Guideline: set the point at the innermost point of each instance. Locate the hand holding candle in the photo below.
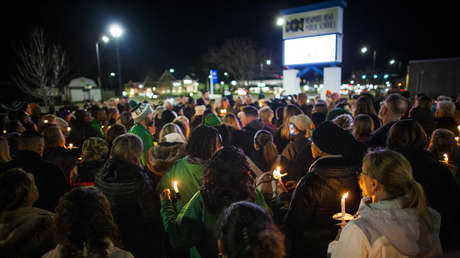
(446, 158)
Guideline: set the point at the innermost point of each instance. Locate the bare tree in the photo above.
(41, 67)
(242, 59)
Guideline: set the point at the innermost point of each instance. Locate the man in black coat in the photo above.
(244, 138)
(50, 180)
(309, 225)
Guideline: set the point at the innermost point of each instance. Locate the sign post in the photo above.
(213, 80)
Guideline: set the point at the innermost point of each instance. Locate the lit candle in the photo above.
(446, 158)
(70, 145)
(457, 139)
(344, 196)
(69, 129)
(277, 174)
(176, 189)
(45, 121)
(223, 111)
(458, 128)
(4, 131)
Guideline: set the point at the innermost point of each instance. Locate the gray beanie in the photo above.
(140, 111)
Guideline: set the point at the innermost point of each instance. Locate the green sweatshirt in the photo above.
(145, 136)
(98, 126)
(195, 226)
(189, 177)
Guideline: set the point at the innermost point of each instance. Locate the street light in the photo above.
(269, 62)
(280, 21)
(392, 62)
(116, 31)
(364, 50)
(104, 39)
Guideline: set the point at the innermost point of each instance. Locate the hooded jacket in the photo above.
(244, 138)
(163, 155)
(135, 206)
(386, 229)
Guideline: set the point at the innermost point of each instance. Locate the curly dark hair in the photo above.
(247, 230)
(83, 218)
(202, 142)
(227, 179)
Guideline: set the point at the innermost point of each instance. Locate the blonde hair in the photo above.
(126, 142)
(316, 151)
(288, 112)
(186, 123)
(392, 170)
(4, 150)
(362, 125)
(94, 148)
(266, 114)
(53, 137)
(231, 120)
(167, 129)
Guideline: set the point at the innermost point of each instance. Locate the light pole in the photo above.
(116, 31)
(105, 39)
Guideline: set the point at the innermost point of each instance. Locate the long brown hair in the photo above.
(264, 141)
(84, 219)
(288, 112)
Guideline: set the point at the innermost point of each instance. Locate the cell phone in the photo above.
(291, 129)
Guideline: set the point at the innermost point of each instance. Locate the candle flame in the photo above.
(70, 145)
(4, 131)
(68, 129)
(45, 121)
(176, 189)
(446, 158)
(344, 196)
(277, 174)
(458, 128)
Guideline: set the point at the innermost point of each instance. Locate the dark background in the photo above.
(176, 34)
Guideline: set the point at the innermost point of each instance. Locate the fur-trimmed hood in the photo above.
(160, 157)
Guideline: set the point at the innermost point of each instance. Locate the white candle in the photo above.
(70, 145)
(277, 174)
(344, 196)
(446, 158)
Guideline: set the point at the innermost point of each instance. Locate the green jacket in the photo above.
(145, 136)
(194, 227)
(189, 177)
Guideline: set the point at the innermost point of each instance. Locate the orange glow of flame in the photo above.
(344, 196)
(176, 189)
(277, 174)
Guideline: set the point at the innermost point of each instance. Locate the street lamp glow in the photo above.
(280, 21)
(105, 39)
(115, 30)
(112, 74)
(225, 74)
(376, 76)
(364, 50)
(171, 70)
(392, 62)
(269, 62)
(363, 76)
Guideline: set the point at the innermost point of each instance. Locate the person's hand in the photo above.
(165, 195)
(290, 185)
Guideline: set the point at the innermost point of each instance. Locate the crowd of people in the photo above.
(239, 178)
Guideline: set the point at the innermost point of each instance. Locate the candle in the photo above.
(457, 139)
(4, 131)
(277, 175)
(344, 196)
(45, 121)
(70, 145)
(176, 189)
(458, 128)
(446, 158)
(69, 129)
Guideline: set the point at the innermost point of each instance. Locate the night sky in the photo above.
(164, 34)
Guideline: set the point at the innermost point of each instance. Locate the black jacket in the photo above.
(441, 191)
(50, 180)
(135, 206)
(308, 223)
(379, 138)
(86, 172)
(64, 159)
(298, 157)
(244, 138)
(80, 132)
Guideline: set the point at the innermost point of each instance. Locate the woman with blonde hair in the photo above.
(282, 136)
(394, 219)
(363, 127)
(94, 152)
(231, 120)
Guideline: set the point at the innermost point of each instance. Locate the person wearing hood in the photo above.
(408, 138)
(308, 223)
(393, 218)
(142, 114)
(170, 148)
(130, 191)
(251, 124)
(297, 153)
(93, 155)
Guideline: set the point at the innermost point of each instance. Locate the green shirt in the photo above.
(195, 225)
(189, 177)
(145, 136)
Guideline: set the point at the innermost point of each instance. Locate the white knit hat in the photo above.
(139, 111)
